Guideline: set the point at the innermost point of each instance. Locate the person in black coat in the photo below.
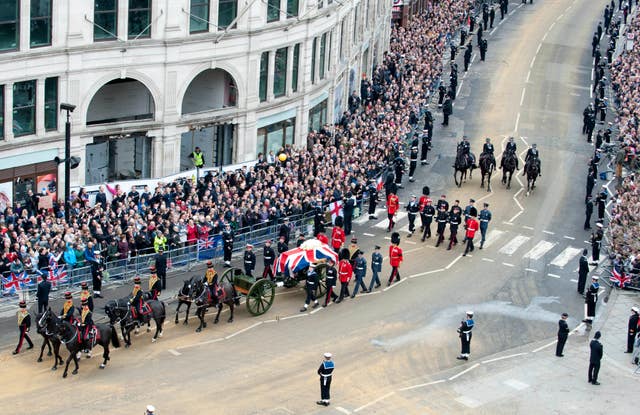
(633, 329)
(44, 288)
(594, 358)
(588, 211)
(447, 110)
(563, 333)
(161, 267)
(583, 271)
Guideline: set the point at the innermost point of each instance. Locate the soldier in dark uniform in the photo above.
(467, 57)
(331, 277)
(463, 36)
(454, 221)
(453, 49)
(427, 214)
(484, 218)
(227, 244)
(588, 213)
(318, 218)
(591, 300)
(596, 241)
(492, 16)
(349, 206)
(310, 286)
(372, 190)
(583, 271)
(594, 358)
(563, 334)
(376, 268)
(479, 34)
(24, 324)
(269, 257)
(441, 220)
(399, 167)
(442, 90)
(325, 370)
(485, 15)
(300, 240)
(249, 260)
(161, 267)
(426, 144)
(447, 110)
(136, 299)
(282, 246)
(86, 295)
(211, 279)
(602, 203)
(442, 202)
(465, 336)
(155, 285)
(86, 325)
(413, 159)
(68, 310)
(591, 183)
(413, 209)
(483, 49)
(632, 329)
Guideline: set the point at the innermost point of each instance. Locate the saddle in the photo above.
(219, 295)
(145, 309)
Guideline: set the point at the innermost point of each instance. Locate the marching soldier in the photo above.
(249, 260)
(376, 268)
(465, 336)
(269, 257)
(345, 272)
(395, 257)
(455, 219)
(353, 250)
(282, 245)
(441, 220)
(467, 57)
(24, 324)
(413, 160)
(311, 284)
(393, 204)
(427, 214)
(325, 371)
(442, 202)
(86, 325)
(155, 285)
(337, 235)
(227, 245)
(413, 209)
(633, 329)
(485, 218)
(372, 190)
(359, 270)
(471, 226)
(591, 300)
(331, 276)
(68, 310)
(86, 295)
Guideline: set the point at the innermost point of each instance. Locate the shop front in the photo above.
(20, 175)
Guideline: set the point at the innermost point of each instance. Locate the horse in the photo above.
(204, 300)
(70, 335)
(508, 165)
(532, 170)
(463, 163)
(184, 297)
(119, 311)
(46, 327)
(487, 167)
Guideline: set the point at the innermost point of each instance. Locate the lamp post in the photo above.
(67, 157)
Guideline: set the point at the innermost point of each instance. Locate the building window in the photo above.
(139, 18)
(292, 8)
(296, 65)
(199, 18)
(9, 24)
(40, 23)
(227, 12)
(24, 108)
(323, 49)
(275, 136)
(1, 112)
(318, 116)
(343, 28)
(280, 73)
(273, 10)
(51, 104)
(313, 60)
(320, 4)
(264, 75)
(356, 23)
(105, 19)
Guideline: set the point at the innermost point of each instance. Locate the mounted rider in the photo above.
(86, 325)
(136, 300)
(533, 156)
(155, 285)
(464, 149)
(487, 150)
(510, 151)
(511, 146)
(211, 279)
(68, 310)
(86, 295)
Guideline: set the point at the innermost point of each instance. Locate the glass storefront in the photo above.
(274, 137)
(15, 183)
(318, 116)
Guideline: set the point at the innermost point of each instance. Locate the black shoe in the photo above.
(422, 239)
(353, 296)
(409, 236)
(15, 352)
(303, 309)
(30, 347)
(320, 403)
(324, 305)
(628, 351)
(595, 382)
(377, 285)
(337, 301)
(560, 355)
(465, 254)
(315, 305)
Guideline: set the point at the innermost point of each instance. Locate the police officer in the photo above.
(492, 16)
(588, 213)
(479, 35)
(413, 209)
(465, 336)
(331, 277)
(511, 146)
(447, 110)
(563, 334)
(198, 158)
(467, 57)
(413, 159)
(399, 167)
(596, 241)
(463, 35)
(485, 15)
(325, 370)
(376, 268)
(633, 329)
(310, 286)
(441, 220)
(602, 203)
(269, 257)
(453, 49)
(161, 267)
(586, 115)
(483, 49)
(359, 271)
(68, 310)
(349, 206)
(249, 260)
(372, 190)
(583, 271)
(442, 90)
(155, 285)
(487, 147)
(395, 257)
(86, 295)
(159, 242)
(454, 221)
(591, 300)
(86, 325)
(427, 214)
(24, 324)
(532, 156)
(227, 245)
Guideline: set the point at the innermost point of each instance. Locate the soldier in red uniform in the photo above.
(395, 257)
(337, 235)
(322, 238)
(345, 272)
(24, 323)
(393, 204)
(472, 227)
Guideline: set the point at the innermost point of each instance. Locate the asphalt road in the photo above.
(517, 286)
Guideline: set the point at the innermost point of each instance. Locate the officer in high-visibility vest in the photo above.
(198, 160)
(159, 242)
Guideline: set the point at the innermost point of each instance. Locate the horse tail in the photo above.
(115, 341)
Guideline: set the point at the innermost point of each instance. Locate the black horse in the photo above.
(508, 165)
(487, 167)
(70, 335)
(185, 297)
(464, 163)
(532, 170)
(120, 311)
(46, 327)
(226, 294)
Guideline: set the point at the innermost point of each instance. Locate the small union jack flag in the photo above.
(10, 284)
(619, 278)
(57, 275)
(207, 243)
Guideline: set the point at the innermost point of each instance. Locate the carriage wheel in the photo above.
(260, 297)
(227, 276)
(321, 289)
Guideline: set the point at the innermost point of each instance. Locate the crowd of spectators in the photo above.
(337, 160)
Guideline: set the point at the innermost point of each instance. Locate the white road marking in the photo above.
(532, 62)
(569, 237)
(554, 276)
(433, 271)
(573, 280)
(527, 227)
(530, 270)
(373, 402)
(539, 46)
(517, 122)
(494, 29)
(384, 224)
(492, 236)
(488, 259)
(508, 265)
(204, 343)
(460, 87)
(174, 352)
(243, 330)
(516, 216)
(544, 347)
(552, 25)
(473, 58)
(464, 371)
(592, 74)
(316, 310)
(395, 284)
(538, 251)
(341, 409)
(590, 91)
(516, 384)
(453, 262)
(421, 385)
(484, 362)
(410, 242)
(565, 256)
(528, 76)
(294, 316)
(549, 232)
(368, 234)
(468, 401)
(513, 245)
(559, 17)
(524, 90)
(507, 223)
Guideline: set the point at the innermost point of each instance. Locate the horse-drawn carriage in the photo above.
(259, 293)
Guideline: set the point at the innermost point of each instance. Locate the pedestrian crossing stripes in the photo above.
(538, 251)
(384, 224)
(512, 246)
(565, 256)
(492, 236)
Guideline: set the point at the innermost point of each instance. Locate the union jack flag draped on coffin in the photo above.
(299, 258)
(619, 278)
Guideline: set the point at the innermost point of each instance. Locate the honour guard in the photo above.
(413, 208)
(591, 300)
(331, 276)
(413, 160)
(269, 257)
(372, 190)
(337, 235)
(24, 324)
(325, 371)
(345, 272)
(485, 218)
(211, 277)
(86, 295)
(465, 336)
(395, 257)
(393, 204)
(249, 260)
(376, 268)
(472, 226)
(227, 244)
(86, 325)
(155, 285)
(310, 286)
(633, 329)
(68, 310)
(353, 251)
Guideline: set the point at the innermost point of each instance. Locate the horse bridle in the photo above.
(73, 335)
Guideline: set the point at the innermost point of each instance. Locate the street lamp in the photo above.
(67, 157)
